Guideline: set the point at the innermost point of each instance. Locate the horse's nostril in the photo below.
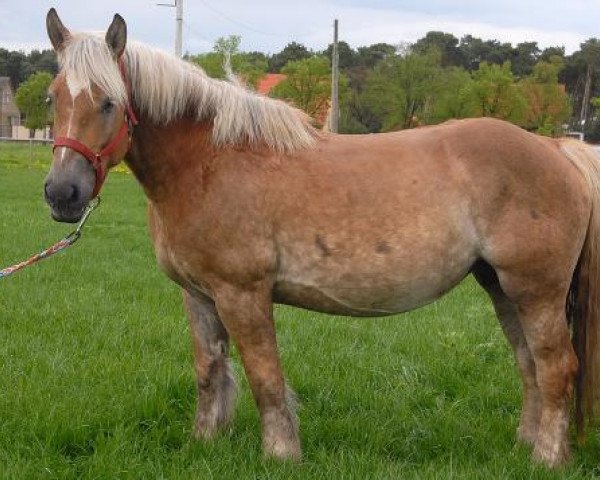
(74, 194)
(62, 193)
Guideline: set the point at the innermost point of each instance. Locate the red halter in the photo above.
(95, 158)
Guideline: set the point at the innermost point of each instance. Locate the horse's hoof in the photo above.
(206, 428)
(554, 457)
(285, 451)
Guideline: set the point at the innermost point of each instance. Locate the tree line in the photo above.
(19, 66)
(387, 87)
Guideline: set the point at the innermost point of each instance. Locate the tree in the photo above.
(347, 56)
(550, 52)
(249, 67)
(446, 44)
(453, 97)
(17, 68)
(31, 100)
(368, 57)
(590, 54)
(307, 85)
(362, 62)
(497, 52)
(291, 52)
(228, 45)
(357, 115)
(496, 94)
(524, 56)
(44, 60)
(399, 89)
(211, 63)
(548, 105)
(476, 51)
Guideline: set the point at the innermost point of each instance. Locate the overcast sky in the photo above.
(268, 25)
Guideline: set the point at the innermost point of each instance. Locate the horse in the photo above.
(249, 205)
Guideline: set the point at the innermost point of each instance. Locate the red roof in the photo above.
(270, 80)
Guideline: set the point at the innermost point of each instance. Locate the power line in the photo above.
(241, 24)
(189, 28)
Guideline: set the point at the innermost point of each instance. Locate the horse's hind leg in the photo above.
(545, 327)
(509, 320)
(539, 291)
(216, 385)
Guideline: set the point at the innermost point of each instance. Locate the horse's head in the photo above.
(90, 107)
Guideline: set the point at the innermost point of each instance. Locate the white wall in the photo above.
(21, 133)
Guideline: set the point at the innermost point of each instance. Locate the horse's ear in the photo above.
(116, 36)
(57, 32)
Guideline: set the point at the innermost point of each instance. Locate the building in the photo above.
(9, 113)
(11, 118)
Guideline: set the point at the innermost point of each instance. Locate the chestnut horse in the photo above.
(249, 205)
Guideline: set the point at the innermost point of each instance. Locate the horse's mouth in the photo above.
(66, 216)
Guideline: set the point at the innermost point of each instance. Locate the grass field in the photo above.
(96, 377)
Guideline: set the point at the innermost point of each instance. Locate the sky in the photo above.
(268, 25)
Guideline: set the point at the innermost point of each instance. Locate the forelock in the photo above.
(87, 60)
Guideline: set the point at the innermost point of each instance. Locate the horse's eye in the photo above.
(107, 106)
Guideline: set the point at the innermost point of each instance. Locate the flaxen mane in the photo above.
(166, 88)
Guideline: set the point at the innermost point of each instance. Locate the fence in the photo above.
(5, 131)
(20, 133)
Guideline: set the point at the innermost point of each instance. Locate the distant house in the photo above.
(11, 118)
(9, 113)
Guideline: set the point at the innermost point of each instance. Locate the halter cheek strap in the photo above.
(95, 158)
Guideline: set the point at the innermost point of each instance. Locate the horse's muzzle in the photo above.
(68, 188)
(64, 199)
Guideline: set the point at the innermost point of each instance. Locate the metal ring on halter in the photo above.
(75, 234)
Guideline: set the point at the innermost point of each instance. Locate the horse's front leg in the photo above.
(247, 312)
(216, 384)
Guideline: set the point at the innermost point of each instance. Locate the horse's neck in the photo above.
(162, 156)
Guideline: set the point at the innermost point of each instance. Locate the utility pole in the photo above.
(178, 23)
(334, 116)
(178, 26)
(586, 96)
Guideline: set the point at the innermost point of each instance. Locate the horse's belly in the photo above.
(396, 286)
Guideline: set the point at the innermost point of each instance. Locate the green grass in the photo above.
(96, 377)
(22, 154)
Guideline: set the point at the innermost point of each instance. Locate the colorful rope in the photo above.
(57, 247)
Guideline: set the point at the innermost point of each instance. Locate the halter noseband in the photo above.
(95, 158)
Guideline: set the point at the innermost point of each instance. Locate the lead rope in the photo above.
(69, 240)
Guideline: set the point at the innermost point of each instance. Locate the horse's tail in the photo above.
(583, 301)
